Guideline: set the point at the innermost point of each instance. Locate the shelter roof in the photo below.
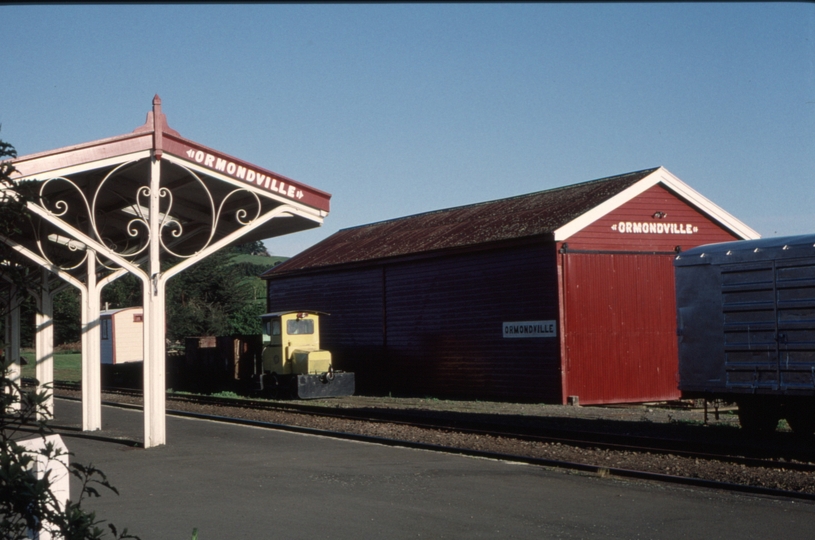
(206, 195)
(553, 214)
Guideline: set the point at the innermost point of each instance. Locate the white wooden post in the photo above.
(154, 350)
(44, 345)
(91, 351)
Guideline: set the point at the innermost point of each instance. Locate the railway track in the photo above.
(754, 457)
(786, 453)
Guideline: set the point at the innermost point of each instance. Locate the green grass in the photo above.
(67, 367)
(226, 394)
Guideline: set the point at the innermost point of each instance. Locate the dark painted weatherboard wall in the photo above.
(433, 325)
(445, 331)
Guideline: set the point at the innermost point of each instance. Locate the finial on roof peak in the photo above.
(156, 120)
(156, 107)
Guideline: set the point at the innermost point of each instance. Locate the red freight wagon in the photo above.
(564, 294)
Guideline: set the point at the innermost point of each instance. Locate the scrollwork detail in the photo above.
(170, 229)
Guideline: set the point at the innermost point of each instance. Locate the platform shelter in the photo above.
(150, 203)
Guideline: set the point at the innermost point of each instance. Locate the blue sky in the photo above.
(401, 109)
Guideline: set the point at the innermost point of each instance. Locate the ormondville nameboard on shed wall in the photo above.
(530, 329)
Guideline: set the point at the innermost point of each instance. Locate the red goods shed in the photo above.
(564, 294)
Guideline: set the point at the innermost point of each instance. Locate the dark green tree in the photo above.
(251, 248)
(122, 293)
(67, 316)
(220, 295)
(202, 299)
(13, 216)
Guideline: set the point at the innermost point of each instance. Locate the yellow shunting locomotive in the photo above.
(293, 362)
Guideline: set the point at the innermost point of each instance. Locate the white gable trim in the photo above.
(664, 177)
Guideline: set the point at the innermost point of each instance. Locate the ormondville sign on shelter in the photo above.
(150, 203)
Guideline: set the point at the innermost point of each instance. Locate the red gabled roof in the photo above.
(523, 216)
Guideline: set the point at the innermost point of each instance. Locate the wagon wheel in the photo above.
(759, 417)
(800, 415)
(293, 390)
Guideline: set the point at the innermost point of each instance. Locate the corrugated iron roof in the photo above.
(505, 219)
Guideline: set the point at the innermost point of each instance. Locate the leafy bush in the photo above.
(27, 503)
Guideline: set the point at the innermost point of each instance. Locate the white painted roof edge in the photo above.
(684, 191)
(82, 167)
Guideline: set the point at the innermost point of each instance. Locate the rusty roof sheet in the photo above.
(522, 216)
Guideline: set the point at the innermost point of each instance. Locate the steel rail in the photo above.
(580, 439)
(599, 470)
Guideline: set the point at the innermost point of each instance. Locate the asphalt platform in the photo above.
(232, 482)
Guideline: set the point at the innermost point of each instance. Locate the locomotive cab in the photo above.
(291, 344)
(293, 362)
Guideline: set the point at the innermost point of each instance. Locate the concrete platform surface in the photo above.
(234, 482)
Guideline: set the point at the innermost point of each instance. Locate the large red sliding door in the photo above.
(619, 327)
